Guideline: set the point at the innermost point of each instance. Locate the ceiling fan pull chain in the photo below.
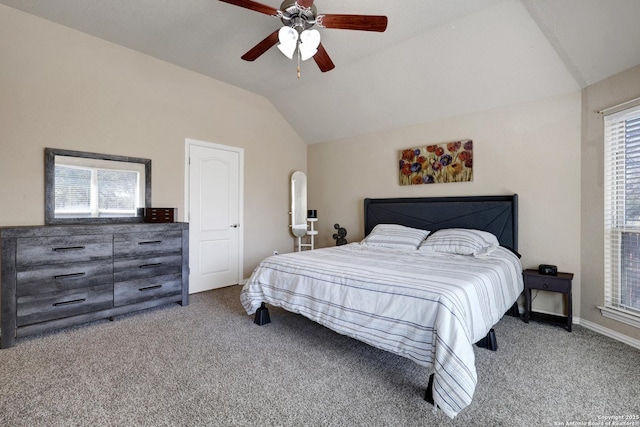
(298, 61)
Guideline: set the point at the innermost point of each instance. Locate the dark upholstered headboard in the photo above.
(496, 214)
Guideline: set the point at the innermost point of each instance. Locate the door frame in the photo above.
(188, 142)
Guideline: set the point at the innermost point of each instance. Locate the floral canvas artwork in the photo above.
(438, 163)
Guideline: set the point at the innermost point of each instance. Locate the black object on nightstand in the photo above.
(560, 283)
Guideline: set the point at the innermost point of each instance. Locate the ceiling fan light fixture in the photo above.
(311, 38)
(309, 42)
(287, 50)
(288, 38)
(306, 53)
(298, 16)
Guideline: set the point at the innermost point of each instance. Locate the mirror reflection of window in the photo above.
(118, 190)
(96, 189)
(73, 191)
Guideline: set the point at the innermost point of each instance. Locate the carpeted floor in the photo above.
(207, 364)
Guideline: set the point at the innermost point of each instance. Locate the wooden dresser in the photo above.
(57, 276)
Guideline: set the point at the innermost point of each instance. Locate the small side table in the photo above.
(560, 283)
(310, 232)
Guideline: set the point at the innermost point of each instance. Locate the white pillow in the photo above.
(461, 241)
(395, 236)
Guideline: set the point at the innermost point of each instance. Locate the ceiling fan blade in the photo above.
(322, 59)
(306, 4)
(353, 22)
(261, 47)
(258, 7)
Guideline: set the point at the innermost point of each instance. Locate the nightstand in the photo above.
(560, 283)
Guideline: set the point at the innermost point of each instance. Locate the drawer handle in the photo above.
(150, 265)
(67, 276)
(150, 242)
(75, 301)
(69, 248)
(148, 288)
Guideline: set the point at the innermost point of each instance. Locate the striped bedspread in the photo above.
(428, 307)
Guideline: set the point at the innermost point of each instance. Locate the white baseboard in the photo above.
(600, 329)
(609, 333)
(576, 321)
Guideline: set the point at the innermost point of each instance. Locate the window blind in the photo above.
(622, 211)
(73, 190)
(117, 190)
(93, 192)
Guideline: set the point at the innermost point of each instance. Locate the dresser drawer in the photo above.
(149, 266)
(60, 277)
(548, 283)
(133, 291)
(135, 244)
(56, 305)
(63, 249)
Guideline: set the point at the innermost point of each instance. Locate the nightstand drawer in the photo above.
(549, 283)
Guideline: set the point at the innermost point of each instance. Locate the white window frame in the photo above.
(615, 223)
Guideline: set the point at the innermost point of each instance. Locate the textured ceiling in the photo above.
(437, 59)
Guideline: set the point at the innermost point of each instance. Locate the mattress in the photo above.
(429, 307)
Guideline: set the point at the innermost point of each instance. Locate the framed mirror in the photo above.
(90, 188)
(298, 204)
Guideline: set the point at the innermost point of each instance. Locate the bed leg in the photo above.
(428, 395)
(489, 342)
(262, 316)
(514, 311)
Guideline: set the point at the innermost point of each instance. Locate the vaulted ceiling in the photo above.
(437, 58)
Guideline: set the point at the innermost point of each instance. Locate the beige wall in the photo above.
(604, 94)
(64, 89)
(532, 149)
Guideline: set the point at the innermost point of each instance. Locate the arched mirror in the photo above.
(298, 204)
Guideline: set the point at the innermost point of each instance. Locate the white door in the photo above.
(214, 215)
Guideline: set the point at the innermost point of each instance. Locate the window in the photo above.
(622, 216)
(94, 192)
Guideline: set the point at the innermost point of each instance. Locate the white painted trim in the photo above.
(188, 142)
(620, 316)
(600, 329)
(610, 333)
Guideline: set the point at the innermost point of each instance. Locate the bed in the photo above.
(429, 303)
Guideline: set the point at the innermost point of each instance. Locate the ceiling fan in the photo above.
(296, 36)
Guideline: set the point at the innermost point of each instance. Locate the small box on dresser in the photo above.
(57, 276)
(159, 214)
